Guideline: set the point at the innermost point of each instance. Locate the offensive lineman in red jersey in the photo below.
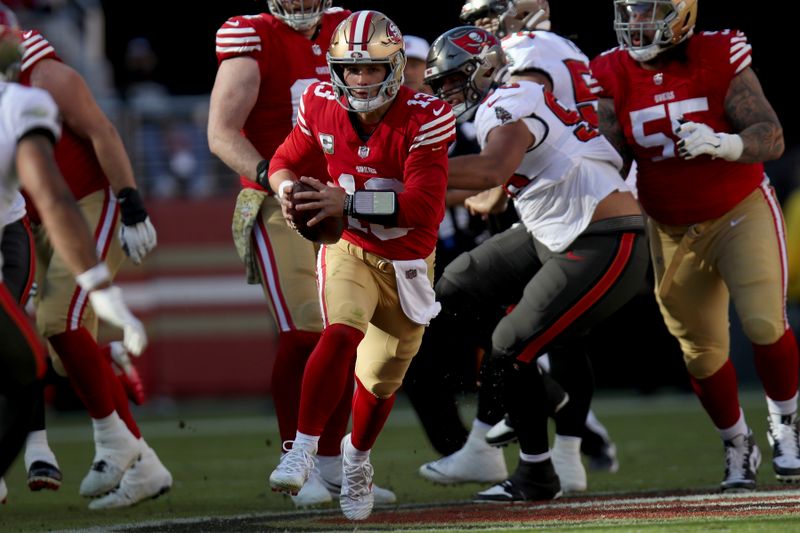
(691, 112)
(386, 149)
(94, 163)
(266, 61)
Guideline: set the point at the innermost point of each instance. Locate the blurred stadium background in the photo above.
(152, 65)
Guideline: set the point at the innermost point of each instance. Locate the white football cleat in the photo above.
(356, 498)
(146, 479)
(566, 457)
(111, 460)
(294, 468)
(742, 459)
(314, 492)
(476, 462)
(332, 479)
(784, 437)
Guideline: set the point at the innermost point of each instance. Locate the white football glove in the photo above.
(698, 139)
(109, 306)
(138, 240)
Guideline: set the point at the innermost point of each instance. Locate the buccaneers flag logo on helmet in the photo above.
(473, 42)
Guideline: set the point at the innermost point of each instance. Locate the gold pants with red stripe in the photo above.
(287, 262)
(699, 268)
(359, 289)
(61, 305)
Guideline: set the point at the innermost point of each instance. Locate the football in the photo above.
(327, 231)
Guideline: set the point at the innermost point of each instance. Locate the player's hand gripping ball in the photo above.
(328, 231)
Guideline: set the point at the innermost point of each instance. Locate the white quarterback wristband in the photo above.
(285, 184)
(94, 277)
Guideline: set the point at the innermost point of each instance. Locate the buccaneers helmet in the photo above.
(648, 27)
(472, 58)
(367, 38)
(297, 13)
(504, 17)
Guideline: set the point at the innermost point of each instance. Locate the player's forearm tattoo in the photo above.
(612, 131)
(753, 118)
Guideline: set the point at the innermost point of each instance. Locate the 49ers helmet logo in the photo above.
(473, 42)
(393, 33)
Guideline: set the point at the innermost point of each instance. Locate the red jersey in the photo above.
(407, 153)
(288, 62)
(75, 155)
(649, 104)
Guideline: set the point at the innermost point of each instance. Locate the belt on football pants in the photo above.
(380, 263)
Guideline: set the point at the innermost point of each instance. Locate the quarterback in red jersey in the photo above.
(386, 150)
(688, 108)
(92, 158)
(266, 61)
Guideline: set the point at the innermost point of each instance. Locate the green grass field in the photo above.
(220, 454)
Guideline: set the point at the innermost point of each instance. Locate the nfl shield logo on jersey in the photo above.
(316, 50)
(326, 141)
(363, 152)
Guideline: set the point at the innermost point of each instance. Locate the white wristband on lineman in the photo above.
(94, 277)
(285, 184)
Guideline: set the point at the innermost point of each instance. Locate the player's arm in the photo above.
(505, 148)
(612, 131)
(65, 224)
(757, 136)
(298, 146)
(81, 113)
(753, 118)
(233, 97)
(69, 233)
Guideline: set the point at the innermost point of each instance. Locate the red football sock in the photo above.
(719, 395)
(335, 429)
(326, 376)
(119, 394)
(777, 366)
(369, 415)
(294, 349)
(85, 366)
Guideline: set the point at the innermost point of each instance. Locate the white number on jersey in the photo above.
(348, 183)
(674, 112)
(297, 89)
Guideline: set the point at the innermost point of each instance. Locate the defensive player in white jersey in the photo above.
(29, 128)
(530, 46)
(579, 254)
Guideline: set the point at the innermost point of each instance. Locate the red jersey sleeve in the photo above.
(603, 72)
(238, 37)
(729, 51)
(37, 48)
(425, 174)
